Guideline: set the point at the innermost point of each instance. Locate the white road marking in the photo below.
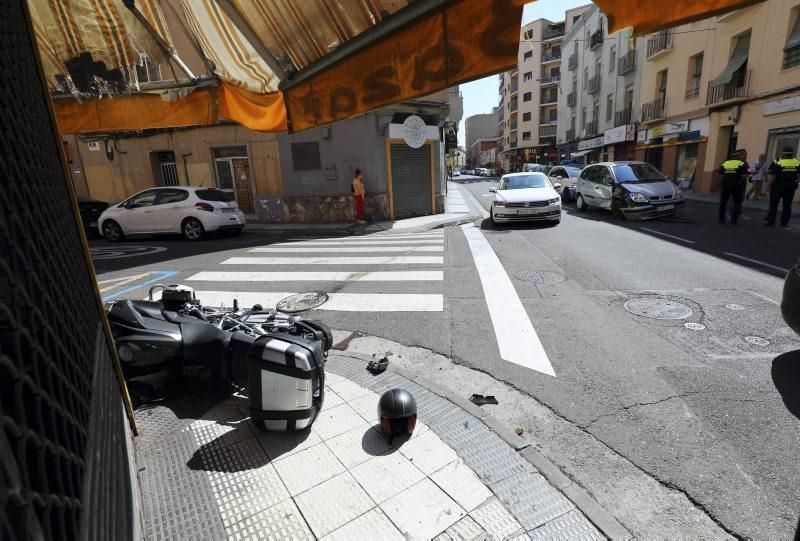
(666, 235)
(355, 242)
(117, 282)
(375, 276)
(757, 262)
(516, 337)
(365, 260)
(339, 302)
(776, 303)
(345, 249)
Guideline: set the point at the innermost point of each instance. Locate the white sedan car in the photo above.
(188, 210)
(525, 197)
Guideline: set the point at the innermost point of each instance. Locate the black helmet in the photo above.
(397, 412)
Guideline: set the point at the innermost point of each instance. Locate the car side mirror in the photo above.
(667, 177)
(493, 190)
(557, 184)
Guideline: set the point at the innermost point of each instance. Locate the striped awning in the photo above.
(329, 60)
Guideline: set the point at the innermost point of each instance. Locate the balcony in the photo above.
(596, 39)
(654, 110)
(594, 84)
(513, 88)
(547, 131)
(514, 72)
(548, 98)
(736, 89)
(627, 63)
(659, 44)
(512, 106)
(551, 56)
(692, 89)
(547, 81)
(573, 62)
(570, 136)
(572, 99)
(512, 143)
(591, 128)
(623, 117)
(513, 126)
(552, 33)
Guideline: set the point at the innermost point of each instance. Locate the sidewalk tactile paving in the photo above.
(428, 452)
(493, 460)
(308, 468)
(465, 529)
(332, 504)
(531, 499)
(367, 407)
(348, 390)
(461, 484)
(496, 520)
(358, 445)
(281, 521)
(384, 476)
(248, 493)
(422, 511)
(331, 400)
(221, 435)
(572, 525)
(238, 457)
(371, 525)
(280, 445)
(336, 421)
(459, 429)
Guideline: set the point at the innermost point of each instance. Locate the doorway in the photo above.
(233, 175)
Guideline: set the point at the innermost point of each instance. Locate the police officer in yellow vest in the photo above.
(782, 176)
(734, 178)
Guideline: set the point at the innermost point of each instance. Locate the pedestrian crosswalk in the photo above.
(370, 273)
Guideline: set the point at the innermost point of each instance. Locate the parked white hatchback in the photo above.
(525, 197)
(191, 211)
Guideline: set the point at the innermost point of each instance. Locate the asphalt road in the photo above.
(710, 410)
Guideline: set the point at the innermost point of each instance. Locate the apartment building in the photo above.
(719, 84)
(528, 111)
(599, 92)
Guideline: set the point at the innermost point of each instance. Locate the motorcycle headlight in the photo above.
(638, 197)
(679, 194)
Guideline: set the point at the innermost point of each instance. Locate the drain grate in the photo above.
(302, 302)
(658, 308)
(757, 340)
(540, 277)
(694, 326)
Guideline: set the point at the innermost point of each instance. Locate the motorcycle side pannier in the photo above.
(285, 381)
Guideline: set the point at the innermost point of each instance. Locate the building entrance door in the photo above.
(233, 175)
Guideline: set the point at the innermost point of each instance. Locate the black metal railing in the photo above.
(570, 135)
(551, 55)
(627, 63)
(548, 98)
(693, 89)
(653, 110)
(659, 42)
(736, 88)
(622, 117)
(572, 62)
(594, 84)
(591, 128)
(596, 39)
(545, 81)
(572, 99)
(552, 33)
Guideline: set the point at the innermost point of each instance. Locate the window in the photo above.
(527, 96)
(528, 76)
(661, 85)
(586, 39)
(213, 194)
(526, 117)
(609, 107)
(528, 34)
(171, 196)
(585, 77)
(612, 59)
(791, 51)
(695, 73)
(526, 136)
(144, 199)
(583, 118)
(305, 156)
(527, 56)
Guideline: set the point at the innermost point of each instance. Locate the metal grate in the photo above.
(49, 339)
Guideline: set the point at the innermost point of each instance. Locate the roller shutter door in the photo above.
(411, 180)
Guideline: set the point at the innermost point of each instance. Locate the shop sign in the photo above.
(781, 106)
(641, 136)
(689, 136)
(670, 127)
(414, 133)
(619, 134)
(591, 143)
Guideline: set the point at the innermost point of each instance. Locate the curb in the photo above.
(596, 513)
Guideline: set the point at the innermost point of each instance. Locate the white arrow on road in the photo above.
(516, 337)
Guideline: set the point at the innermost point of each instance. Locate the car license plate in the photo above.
(528, 211)
(227, 210)
(666, 207)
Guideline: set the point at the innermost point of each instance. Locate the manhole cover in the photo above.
(658, 308)
(694, 326)
(301, 302)
(540, 277)
(736, 307)
(757, 340)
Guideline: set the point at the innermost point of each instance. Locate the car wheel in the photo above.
(192, 229)
(616, 210)
(579, 202)
(112, 231)
(491, 215)
(233, 232)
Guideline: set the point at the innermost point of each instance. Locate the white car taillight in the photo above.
(204, 206)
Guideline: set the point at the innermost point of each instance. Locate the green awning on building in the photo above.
(738, 59)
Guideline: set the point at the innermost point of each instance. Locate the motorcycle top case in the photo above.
(285, 381)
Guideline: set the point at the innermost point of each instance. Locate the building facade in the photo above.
(599, 92)
(483, 153)
(527, 115)
(723, 83)
(478, 127)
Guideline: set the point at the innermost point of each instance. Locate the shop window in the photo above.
(305, 156)
(526, 117)
(791, 51)
(686, 165)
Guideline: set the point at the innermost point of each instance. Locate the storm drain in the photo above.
(658, 308)
(540, 277)
(757, 340)
(302, 302)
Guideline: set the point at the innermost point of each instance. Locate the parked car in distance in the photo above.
(567, 177)
(90, 210)
(525, 197)
(790, 303)
(631, 190)
(190, 211)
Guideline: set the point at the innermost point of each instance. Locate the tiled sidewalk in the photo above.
(207, 472)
